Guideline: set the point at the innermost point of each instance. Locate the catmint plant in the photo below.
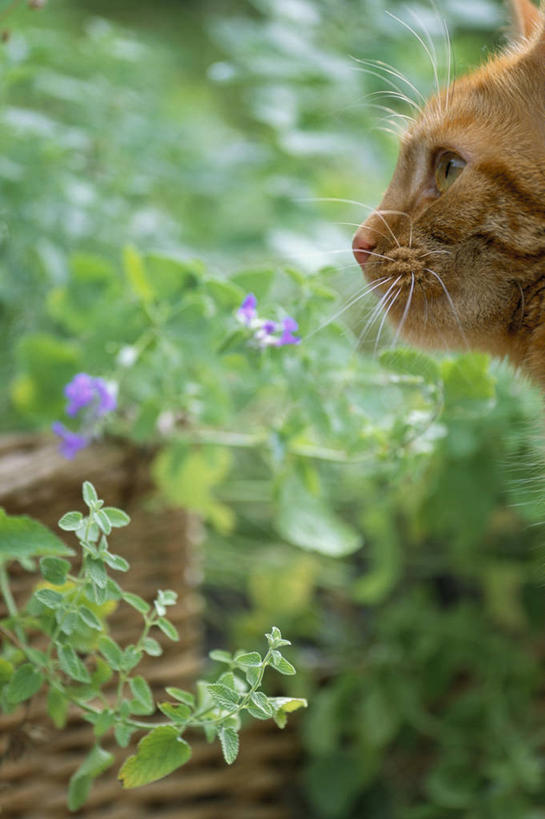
(83, 664)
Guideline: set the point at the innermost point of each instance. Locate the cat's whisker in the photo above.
(351, 302)
(430, 252)
(384, 79)
(394, 72)
(422, 43)
(405, 312)
(361, 205)
(451, 303)
(376, 311)
(395, 95)
(383, 321)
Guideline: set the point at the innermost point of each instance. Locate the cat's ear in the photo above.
(526, 18)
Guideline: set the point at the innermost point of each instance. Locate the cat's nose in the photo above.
(363, 245)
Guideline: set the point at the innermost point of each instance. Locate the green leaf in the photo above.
(177, 713)
(136, 602)
(279, 663)
(131, 657)
(89, 494)
(168, 628)
(102, 521)
(72, 665)
(411, 362)
(26, 681)
(136, 275)
(152, 647)
(89, 618)
(260, 707)
(111, 652)
(117, 517)
(116, 562)
(182, 696)
(54, 570)
(97, 761)
(229, 744)
(468, 382)
(6, 671)
(96, 571)
(142, 692)
(251, 658)
(220, 656)
(21, 537)
(104, 722)
(159, 753)
(48, 597)
(71, 521)
(57, 707)
(286, 705)
(306, 521)
(123, 733)
(224, 696)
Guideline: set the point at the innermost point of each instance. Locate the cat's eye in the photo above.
(448, 169)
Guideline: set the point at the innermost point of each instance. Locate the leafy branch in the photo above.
(84, 666)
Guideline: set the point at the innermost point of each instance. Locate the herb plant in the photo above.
(82, 665)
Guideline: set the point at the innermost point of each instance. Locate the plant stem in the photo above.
(10, 604)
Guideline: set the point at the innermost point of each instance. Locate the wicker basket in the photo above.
(38, 760)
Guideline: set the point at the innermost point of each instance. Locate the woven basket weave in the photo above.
(37, 760)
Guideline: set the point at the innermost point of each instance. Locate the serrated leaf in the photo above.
(123, 733)
(89, 618)
(251, 658)
(102, 521)
(136, 602)
(54, 570)
(57, 707)
(142, 692)
(26, 681)
(229, 744)
(131, 658)
(96, 571)
(111, 652)
(287, 704)
(117, 517)
(224, 696)
(176, 712)
(71, 521)
(411, 362)
(49, 598)
(279, 663)
(97, 761)
(104, 722)
(89, 494)
(259, 706)
(116, 562)
(159, 753)
(252, 674)
(72, 665)
(21, 537)
(182, 696)
(168, 629)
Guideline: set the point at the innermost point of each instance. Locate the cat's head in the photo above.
(459, 237)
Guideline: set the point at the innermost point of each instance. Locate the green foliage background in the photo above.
(183, 131)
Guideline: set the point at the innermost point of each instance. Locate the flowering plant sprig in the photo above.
(266, 332)
(89, 400)
(83, 665)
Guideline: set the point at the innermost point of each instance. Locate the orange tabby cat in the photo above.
(459, 237)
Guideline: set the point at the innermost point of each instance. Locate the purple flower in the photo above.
(247, 311)
(84, 390)
(71, 442)
(289, 325)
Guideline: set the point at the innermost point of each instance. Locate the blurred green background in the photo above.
(221, 131)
